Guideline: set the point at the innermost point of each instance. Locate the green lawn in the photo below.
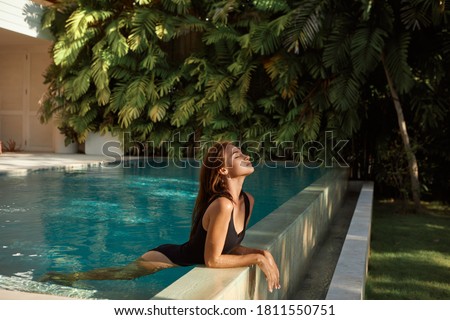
(410, 253)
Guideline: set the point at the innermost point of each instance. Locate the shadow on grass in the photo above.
(410, 255)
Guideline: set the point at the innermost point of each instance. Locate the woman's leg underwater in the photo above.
(150, 262)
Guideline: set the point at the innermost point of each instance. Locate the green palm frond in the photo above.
(160, 135)
(188, 24)
(344, 91)
(66, 50)
(168, 83)
(151, 58)
(264, 39)
(78, 85)
(279, 24)
(367, 45)
(211, 110)
(214, 35)
(305, 24)
(85, 105)
(217, 86)
(244, 71)
(142, 129)
(311, 125)
(336, 54)
(124, 68)
(414, 14)
(262, 126)
(127, 114)
(144, 2)
(159, 109)
(100, 67)
(81, 19)
(118, 97)
(397, 62)
(349, 123)
(138, 92)
(222, 122)
(144, 24)
(116, 40)
(48, 18)
(221, 10)
(186, 106)
(180, 7)
(131, 101)
(271, 5)
(83, 125)
(269, 104)
(238, 102)
(284, 72)
(288, 131)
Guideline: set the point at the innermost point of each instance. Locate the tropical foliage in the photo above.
(269, 72)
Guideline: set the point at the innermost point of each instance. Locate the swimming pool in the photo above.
(78, 220)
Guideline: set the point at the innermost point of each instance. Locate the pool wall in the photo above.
(291, 233)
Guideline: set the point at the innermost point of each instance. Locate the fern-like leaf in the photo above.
(344, 92)
(81, 19)
(397, 62)
(264, 39)
(367, 45)
(305, 24)
(217, 86)
(158, 111)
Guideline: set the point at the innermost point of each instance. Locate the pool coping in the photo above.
(23, 163)
(349, 278)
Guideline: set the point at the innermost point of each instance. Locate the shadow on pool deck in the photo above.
(317, 280)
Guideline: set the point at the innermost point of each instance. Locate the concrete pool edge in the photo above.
(349, 278)
(291, 232)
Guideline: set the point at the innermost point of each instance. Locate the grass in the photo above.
(410, 253)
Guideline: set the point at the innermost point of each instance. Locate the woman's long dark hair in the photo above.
(211, 183)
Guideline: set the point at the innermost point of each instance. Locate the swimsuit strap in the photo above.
(247, 207)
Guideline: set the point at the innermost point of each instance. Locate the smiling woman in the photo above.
(221, 209)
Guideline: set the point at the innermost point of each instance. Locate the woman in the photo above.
(221, 214)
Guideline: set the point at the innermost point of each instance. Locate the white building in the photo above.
(24, 56)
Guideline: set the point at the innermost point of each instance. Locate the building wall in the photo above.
(23, 59)
(21, 88)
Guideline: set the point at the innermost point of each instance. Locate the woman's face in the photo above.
(237, 163)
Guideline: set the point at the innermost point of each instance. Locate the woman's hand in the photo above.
(274, 266)
(269, 268)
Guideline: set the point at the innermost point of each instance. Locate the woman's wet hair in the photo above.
(212, 183)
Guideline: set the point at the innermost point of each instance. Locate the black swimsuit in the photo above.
(192, 252)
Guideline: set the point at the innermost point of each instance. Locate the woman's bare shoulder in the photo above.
(219, 210)
(221, 204)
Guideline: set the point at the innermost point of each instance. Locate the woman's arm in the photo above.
(241, 250)
(217, 227)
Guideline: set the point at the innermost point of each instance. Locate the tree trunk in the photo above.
(412, 161)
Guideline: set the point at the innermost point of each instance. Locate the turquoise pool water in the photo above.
(80, 220)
